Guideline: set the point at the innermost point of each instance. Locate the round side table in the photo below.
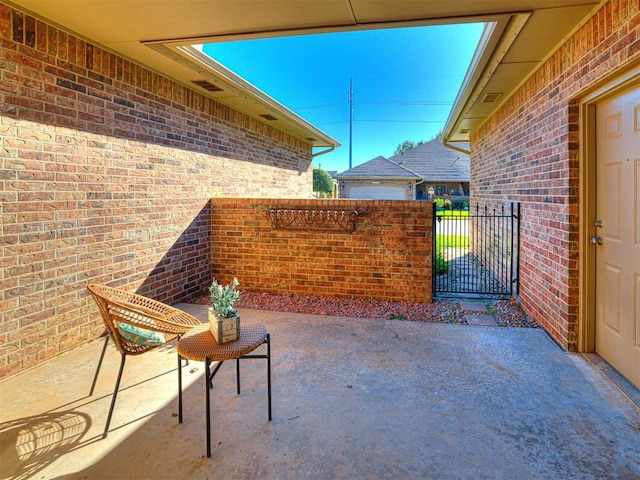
(199, 344)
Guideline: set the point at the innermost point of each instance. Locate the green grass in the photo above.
(441, 266)
(449, 241)
(445, 241)
(453, 213)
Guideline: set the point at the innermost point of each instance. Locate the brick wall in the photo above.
(106, 175)
(528, 152)
(387, 257)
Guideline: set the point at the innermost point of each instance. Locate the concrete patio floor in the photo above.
(352, 398)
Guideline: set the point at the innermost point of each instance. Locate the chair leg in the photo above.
(179, 389)
(269, 374)
(207, 383)
(238, 375)
(104, 349)
(115, 394)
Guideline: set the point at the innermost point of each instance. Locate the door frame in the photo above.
(612, 85)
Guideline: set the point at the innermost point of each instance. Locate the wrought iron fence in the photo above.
(476, 251)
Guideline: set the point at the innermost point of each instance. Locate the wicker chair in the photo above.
(137, 324)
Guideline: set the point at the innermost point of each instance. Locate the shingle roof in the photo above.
(430, 161)
(435, 162)
(379, 167)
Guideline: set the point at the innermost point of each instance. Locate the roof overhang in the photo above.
(228, 88)
(507, 55)
(380, 179)
(160, 35)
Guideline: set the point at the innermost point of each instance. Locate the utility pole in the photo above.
(350, 121)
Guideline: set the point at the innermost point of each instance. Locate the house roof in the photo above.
(433, 161)
(429, 161)
(379, 168)
(160, 35)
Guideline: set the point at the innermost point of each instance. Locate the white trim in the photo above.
(494, 44)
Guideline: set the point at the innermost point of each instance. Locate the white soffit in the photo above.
(538, 35)
(242, 95)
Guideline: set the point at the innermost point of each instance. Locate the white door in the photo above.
(378, 192)
(617, 240)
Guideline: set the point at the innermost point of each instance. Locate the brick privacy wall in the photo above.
(106, 176)
(387, 257)
(528, 152)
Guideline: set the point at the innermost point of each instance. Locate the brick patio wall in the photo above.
(106, 175)
(528, 152)
(387, 257)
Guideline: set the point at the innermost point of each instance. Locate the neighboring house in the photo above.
(378, 179)
(429, 170)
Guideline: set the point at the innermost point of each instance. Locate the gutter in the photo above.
(457, 149)
(415, 186)
(328, 150)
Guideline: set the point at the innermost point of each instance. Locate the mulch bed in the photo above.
(509, 314)
(505, 313)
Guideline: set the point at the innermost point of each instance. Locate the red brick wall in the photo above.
(528, 152)
(387, 257)
(106, 175)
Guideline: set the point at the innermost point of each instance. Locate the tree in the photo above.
(407, 145)
(404, 146)
(322, 182)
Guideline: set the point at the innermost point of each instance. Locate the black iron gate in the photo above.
(476, 252)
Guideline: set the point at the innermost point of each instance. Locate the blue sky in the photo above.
(404, 82)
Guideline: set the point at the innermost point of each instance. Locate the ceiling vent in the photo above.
(491, 97)
(267, 116)
(311, 139)
(465, 130)
(207, 85)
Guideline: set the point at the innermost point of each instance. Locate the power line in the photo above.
(400, 121)
(379, 121)
(310, 107)
(390, 102)
(415, 102)
(330, 123)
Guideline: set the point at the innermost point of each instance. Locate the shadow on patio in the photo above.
(352, 398)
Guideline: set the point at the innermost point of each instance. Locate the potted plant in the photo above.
(224, 321)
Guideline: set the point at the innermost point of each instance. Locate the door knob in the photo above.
(597, 240)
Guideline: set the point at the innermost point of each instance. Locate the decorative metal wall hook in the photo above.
(327, 220)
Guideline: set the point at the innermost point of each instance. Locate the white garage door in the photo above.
(378, 192)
